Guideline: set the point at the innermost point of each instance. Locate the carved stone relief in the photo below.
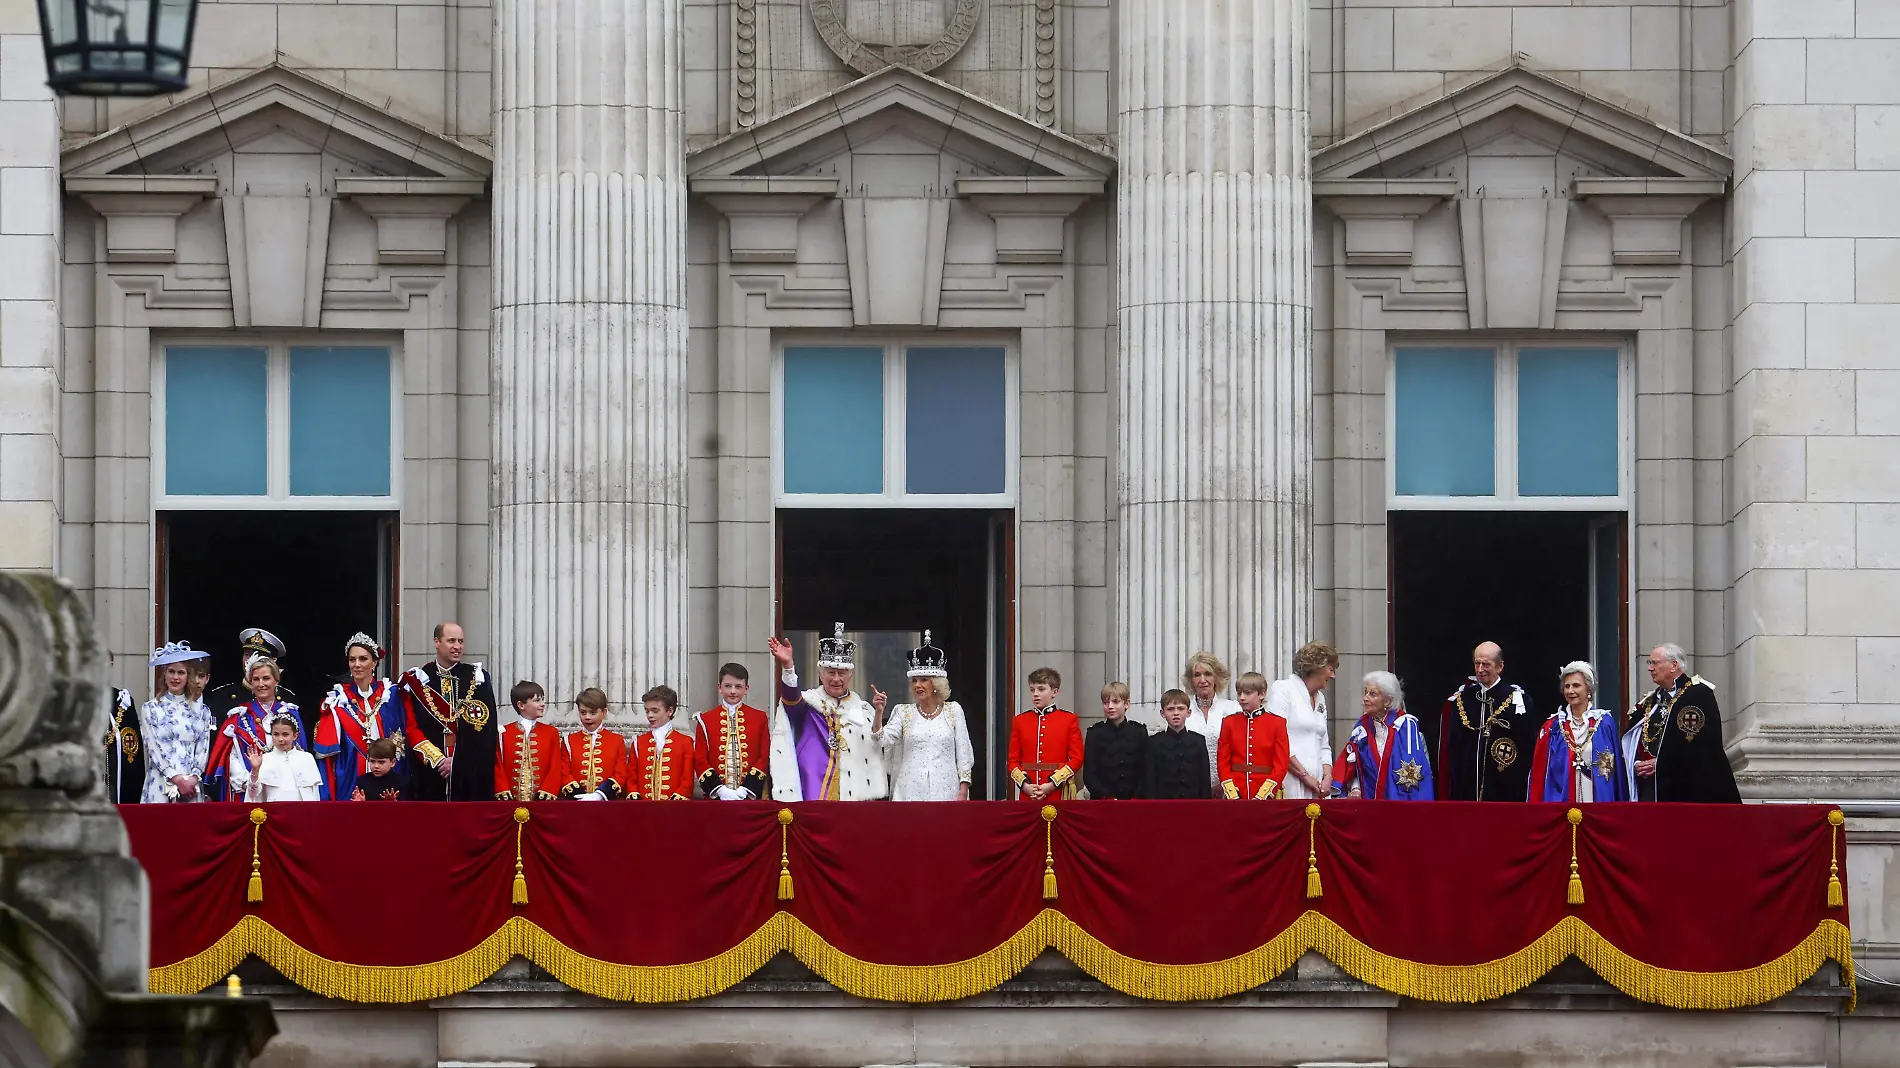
(788, 52)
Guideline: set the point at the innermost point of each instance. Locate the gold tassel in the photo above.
(1048, 852)
(254, 890)
(520, 895)
(1313, 888)
(784, 854)
(1835, 896)
(1574, 895)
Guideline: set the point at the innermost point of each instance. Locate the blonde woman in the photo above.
(1300, 699)
(1205, 679)
(927, 744)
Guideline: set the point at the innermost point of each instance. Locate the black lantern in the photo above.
(117, 47)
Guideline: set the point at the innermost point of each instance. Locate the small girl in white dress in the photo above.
(285, 773)
(927, 744)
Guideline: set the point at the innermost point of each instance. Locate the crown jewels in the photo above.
(837, 651)
(927, 661)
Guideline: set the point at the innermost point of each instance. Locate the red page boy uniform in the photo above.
(729, 748)
(1045, 746)
(533, 764)
(661, 766)
(1253, 754)
(596, 765)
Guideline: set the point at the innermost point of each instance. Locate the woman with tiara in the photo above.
(355, 714)
(177, 728)
(927, 744)
(246, 728)
(282, 772)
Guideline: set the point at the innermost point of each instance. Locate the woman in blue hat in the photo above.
(177, 728)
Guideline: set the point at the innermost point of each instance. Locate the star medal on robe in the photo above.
(1606, 764)
(1410, 775)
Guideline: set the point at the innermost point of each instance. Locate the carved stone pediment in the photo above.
(275, 111)
(893, 178)
(898, 132)
(1502, 163)
(274, 157)
(1521, 114)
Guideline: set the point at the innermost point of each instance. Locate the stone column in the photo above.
(1214, 496)
(588, 515)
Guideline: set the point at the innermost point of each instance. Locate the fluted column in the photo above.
(587, 524)
(1214, 496)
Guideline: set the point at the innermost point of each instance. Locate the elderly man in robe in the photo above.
(823, 739)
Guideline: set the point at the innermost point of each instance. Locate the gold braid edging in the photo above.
(1049, 929)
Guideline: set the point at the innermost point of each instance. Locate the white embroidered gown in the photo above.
(928, 757)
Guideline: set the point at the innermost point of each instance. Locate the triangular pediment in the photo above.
(274, 110)
(903, 117)
(1520, 112)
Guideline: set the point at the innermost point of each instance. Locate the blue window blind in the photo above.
(339, 422)
(1567, 428)
(1445, 422)
(955, 408)
(834, 420)
(215, 421)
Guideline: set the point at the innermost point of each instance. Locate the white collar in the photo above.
(660, 732)
(733, 709)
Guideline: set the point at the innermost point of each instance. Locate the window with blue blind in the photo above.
(1475, 425)
(339, 422)
(216, 421)
(1445, 422)
(1567, 427)
(834, 420)
(276, 423)
(955, 408)
(904, 422)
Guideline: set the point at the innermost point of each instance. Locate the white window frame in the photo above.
(1504, 441)
(277, 495)
(896, 432)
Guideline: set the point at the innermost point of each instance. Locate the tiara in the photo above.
(367, 642)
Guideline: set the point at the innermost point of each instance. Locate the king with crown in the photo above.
(824, 745)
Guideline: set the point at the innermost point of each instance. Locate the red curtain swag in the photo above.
(1690, 906)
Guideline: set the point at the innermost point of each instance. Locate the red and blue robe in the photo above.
(244, 726)
(1555, 768)
(1401, 770)
(349, 721)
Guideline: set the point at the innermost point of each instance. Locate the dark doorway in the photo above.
(901, 570)
(1546, 586)
(311, 578)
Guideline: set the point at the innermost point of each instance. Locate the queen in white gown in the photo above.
(927, 744)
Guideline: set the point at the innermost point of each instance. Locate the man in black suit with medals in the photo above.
(1486, 735)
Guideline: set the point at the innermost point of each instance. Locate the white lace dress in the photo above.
(928, 757)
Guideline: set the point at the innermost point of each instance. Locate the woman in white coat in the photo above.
(1301, 700)
(927, 744)
(1205, 679)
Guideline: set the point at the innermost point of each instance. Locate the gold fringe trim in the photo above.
(1047, 930)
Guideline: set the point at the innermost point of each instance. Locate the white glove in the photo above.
(731, 793)
(595, 796)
